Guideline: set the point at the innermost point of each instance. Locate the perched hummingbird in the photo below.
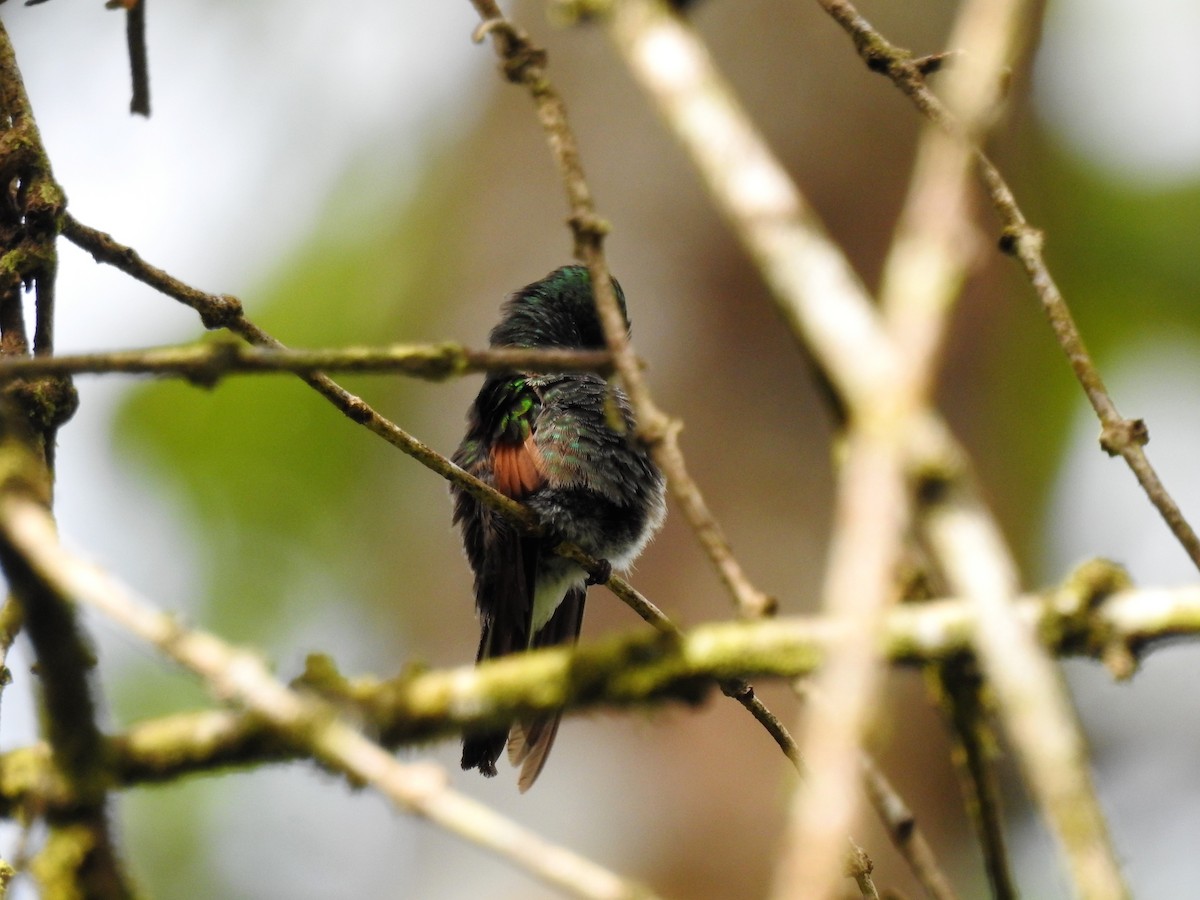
(547, 441)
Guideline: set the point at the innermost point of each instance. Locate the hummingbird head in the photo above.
(558, 311)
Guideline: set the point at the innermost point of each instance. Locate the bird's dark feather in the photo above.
(547, 440)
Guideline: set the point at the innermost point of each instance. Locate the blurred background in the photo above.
(362, 175)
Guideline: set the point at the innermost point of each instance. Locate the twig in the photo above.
(207, 362)
(1119, 436)
(860, 585)
(934, 244)
(525, 64)
(139, 68)
(224, 311)
(901, 825)
(1032, 701)
(816, 290)
(961, 691)
(79, 857)
(240, 676)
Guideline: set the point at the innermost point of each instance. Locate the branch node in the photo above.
(357, 410)
(935, 62)
(218, 358)
(524, 63)
(486, 27)
(221, 311)
(47, 403)
(1020, 237)
(1120, 659)
(1117, 437)
(521, 61)
(589, 229)
(737, 689)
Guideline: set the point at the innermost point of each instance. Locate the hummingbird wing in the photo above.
(500, 451)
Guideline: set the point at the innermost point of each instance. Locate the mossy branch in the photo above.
(207, 362)
(1093, 614)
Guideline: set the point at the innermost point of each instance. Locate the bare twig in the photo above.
(1119, 436)
(525, 64)
(224, 311)
(79, 857)
(139, 68)
(241, 677)
(934, 244)
(961, 691)
(824, 302)
(1032, 701)
(907, 838)
(209, 361)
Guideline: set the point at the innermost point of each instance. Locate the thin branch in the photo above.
(1033, 702)
(1119, 436)
(870, 520)
(139, 67)
(224, 311)
(934, 244)
(962, 693)
(816, 291)
(240, 676)
(525, 64)
(80, 857)
(902, 828)
(208, 362)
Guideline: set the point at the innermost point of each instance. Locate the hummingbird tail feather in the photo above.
(480, 751)
(529, 743)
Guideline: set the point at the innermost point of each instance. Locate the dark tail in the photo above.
(529, 743)
(480, 751)
(504, 597)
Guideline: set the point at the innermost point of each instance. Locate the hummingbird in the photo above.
(548, 441)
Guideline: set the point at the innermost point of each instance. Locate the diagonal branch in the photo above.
(927, 263)
(218, 311)
(1119, 436)
(241, 677)
(525, 64)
